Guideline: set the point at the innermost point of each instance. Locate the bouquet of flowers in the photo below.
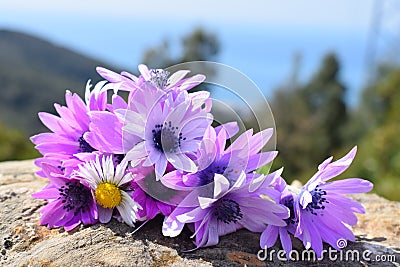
(155, 151)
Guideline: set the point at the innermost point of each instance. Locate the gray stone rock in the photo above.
(23, 242)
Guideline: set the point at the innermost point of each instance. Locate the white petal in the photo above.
(172, 227)
(205, 202)
(305, 199)
(221, 185)
(182, 162)
(176, 77)
(144, 70)
(138, 152)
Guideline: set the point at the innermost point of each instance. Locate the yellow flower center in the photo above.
(108, 195)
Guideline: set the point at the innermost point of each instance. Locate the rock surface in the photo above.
(23, 242)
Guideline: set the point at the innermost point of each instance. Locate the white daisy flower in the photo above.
(107, 183)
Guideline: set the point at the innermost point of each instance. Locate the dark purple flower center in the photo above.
(288, 202)
(118, 158)
(61, 168)
(165, 137)
(227, 211)
(159, 78)
(318, 200)
(206, 176)
(84, 146)
(74, 196)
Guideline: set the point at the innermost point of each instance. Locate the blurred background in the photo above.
(330, 70)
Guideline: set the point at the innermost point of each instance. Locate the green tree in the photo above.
(310, 120)
(325, 98)
(378, 156)
(199, 45)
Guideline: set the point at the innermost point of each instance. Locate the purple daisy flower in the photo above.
(242, 155)
(109, 184)
(157, 78)
(66, 145)
(160, 79)
(320, 211)
(69, 201)
(242, 205)
(170, 127)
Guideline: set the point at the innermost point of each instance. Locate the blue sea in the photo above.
(265, 53)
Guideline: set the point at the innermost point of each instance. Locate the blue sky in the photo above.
(258, 37)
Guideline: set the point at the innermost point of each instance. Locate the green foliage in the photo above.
(310, 120)
(378, 158)
(14, 145)
(314, 123)
(199, 45)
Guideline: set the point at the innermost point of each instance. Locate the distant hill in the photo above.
(34, 74)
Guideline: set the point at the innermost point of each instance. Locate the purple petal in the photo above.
(333, 227)
(78, 107)
(66, 220)
(332, 224)
(342, 213)
(104, 214)
(52, 193)
(269, 236)
(62, 148)
(68, 116)
(194, 215)
(212, 235)
(221, 141)
(258, 141)
(118, 102)
(348, 186)
(85, 215)
(72, 224)
(316, 241)
(130, 76)
(258, 160)
(104, 135)
(343, 201)
(241, 143)
(285, 241)
(207, 149)
(165, 209)
(51, 121)
(327, 170)
(265, 181)
(173, 180)
(224, 229)
(324, 164)
(52, 216)
(231, 128)
(160, 166)
(109, 75)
